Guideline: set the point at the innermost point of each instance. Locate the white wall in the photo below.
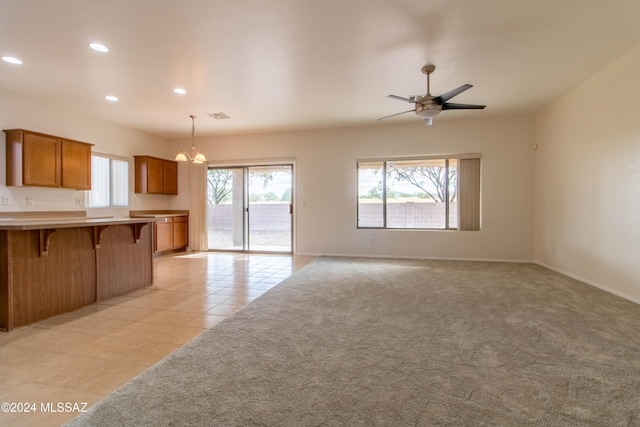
(587, 171)
(587, 178)
(17, 111)
(325, 194)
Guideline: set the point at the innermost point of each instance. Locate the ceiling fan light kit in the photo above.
(428, 106)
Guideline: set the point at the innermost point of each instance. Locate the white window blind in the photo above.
(109, 182)
(469, 185)
(119, 183)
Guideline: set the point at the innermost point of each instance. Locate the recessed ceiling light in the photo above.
(111, 98)
(180, 91)
(11, 60)
(99, 47)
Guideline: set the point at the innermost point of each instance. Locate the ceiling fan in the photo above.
(429, 106)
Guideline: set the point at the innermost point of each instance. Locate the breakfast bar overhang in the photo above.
(52, 266)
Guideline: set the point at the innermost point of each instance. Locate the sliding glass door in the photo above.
(226, 205)
(269, 212)
(250, 208)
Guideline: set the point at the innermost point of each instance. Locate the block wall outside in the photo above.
(407, 215)
(276, 217)
(262, 216)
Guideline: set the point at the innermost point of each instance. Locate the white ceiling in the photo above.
(294, 64)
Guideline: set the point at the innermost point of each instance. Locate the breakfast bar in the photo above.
(55, 264)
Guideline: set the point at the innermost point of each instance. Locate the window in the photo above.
(420, 193)
(109, 182)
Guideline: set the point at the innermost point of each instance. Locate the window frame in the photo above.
(385, 161)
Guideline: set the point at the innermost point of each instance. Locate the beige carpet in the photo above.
(349, 342)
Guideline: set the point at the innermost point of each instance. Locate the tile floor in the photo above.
(84, 355)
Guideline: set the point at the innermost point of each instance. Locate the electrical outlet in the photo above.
(78, 201)
(372, 241)
(29, 201)
(5, 201)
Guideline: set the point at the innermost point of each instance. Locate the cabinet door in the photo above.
(41, 161)
(76, 165)
(155, 175)
(164, 237)
(180, 232)
(170, 177)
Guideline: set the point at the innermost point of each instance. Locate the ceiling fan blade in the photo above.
(400, 98)
(454, 106)
(397, 114)
(455, 92)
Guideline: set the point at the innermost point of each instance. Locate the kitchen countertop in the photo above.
(157, 213)
(62, 222)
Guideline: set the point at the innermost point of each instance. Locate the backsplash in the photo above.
(33, 199)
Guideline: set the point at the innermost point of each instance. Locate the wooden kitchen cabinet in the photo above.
(164, 235)
(170, 229)
(40, 163)
(37, 159)
(170, 177)
(171, 233)
(76, 165)
(180, 231)
(154, 175)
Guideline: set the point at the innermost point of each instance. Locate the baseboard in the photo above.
(589, 282)
(519, 261)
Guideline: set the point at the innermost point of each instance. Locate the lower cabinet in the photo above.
(163, 234)
(171, 233)
(180, 231)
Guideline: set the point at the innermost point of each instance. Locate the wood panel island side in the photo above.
(52, 266)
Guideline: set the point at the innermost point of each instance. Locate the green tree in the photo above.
(265, 176)
(432, 180)
(220, 185)
(286, 196)
(375, 192)
(270, 197)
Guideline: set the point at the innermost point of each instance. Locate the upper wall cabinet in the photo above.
(156, 176)
(38, 159)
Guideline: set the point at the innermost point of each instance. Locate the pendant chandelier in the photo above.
(191, 154)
